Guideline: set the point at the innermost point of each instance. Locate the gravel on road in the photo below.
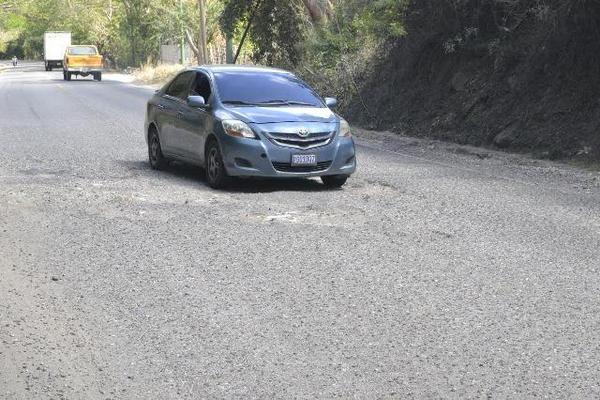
(439, 271)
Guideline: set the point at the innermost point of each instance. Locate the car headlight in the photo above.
(236, 128)
(345, 129)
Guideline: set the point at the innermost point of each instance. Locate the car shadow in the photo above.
(266, 185)
(81, 80)
(195, 174)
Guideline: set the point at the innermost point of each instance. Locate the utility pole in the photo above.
(202, 39)
(182, 37)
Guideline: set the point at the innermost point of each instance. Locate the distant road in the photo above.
(22, 65)
(438, 272)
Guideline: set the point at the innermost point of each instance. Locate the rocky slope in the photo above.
(522, 75)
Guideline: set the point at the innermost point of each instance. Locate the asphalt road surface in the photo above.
(439, 271)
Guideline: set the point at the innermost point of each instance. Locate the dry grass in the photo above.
(159, 74)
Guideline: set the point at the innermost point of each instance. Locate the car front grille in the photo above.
(317, 139)
(287, 167)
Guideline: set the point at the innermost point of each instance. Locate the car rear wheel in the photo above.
(98, 76)
(334, 181)
(68, 75)
(155, 155)
(216, 175)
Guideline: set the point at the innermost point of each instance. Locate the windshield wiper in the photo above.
(286, 103)
(239, 103)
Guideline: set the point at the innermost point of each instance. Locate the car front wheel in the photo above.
(334, 181)
(216, 175)
(155, 155)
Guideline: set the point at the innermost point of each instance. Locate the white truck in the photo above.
(55, 44)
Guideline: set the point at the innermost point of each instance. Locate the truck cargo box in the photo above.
(55, 44)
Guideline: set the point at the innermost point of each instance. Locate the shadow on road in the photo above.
(262, 185)
(194, 174)
(87, 80)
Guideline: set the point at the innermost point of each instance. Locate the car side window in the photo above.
(201, 87)
(180, 86)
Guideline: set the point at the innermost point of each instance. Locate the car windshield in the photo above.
(265, 89)
(82, 51)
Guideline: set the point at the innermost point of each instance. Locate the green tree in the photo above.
(276, 28)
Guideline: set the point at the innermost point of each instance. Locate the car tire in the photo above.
(334, 181)
(155, 154)
(216, 174)
(68, 75)
(99, 76)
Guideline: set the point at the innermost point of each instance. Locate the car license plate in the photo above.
(304, 160)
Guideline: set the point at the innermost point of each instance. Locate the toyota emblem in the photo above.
(303, 132)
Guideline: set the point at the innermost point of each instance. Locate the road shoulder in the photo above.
(518, 168)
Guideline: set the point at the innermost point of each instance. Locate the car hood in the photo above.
(266, 115)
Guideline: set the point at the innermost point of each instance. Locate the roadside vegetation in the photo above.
(156, 74)
(515, 74)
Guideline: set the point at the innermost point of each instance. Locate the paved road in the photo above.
(438, 272)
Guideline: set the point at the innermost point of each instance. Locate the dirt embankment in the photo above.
(522, 75)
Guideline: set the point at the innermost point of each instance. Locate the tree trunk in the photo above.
(228, 49)
(318, 10)
(248, 26)
(190, 42)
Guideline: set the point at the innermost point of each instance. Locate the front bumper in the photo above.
(262, 158)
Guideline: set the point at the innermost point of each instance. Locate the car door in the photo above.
(171, 107)
(197, 122)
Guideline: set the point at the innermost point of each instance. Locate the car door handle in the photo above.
(160, 107)
(180, 114)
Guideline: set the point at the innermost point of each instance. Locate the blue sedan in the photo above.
(248, 122)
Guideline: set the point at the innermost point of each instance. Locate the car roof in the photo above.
(240, 68)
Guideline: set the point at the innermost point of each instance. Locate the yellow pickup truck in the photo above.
(82, 60)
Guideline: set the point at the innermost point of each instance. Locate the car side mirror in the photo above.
(331, 102)
(196, 102)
